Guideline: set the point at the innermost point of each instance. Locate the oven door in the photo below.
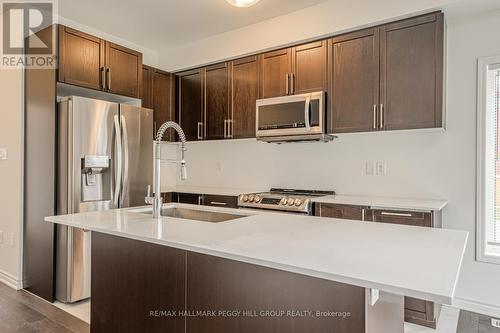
(291, 115)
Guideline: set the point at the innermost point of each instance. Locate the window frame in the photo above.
(482, 85)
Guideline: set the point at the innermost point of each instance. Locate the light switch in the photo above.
(381, 168)
(3, 154)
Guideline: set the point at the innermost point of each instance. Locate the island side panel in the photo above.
(217, 284)
(130, 279)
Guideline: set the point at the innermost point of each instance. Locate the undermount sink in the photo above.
(199, 215)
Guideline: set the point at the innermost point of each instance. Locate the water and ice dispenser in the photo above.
(95, 178)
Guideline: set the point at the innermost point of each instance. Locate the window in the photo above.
(488, 193)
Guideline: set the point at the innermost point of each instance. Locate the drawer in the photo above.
(350, 212)
(421, 219)
(220, 201)
(415, 304)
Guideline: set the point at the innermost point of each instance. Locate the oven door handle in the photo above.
(307, 114)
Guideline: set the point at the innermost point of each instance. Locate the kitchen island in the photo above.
(261, 272)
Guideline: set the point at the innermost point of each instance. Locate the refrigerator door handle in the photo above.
(125, 180)
(118, 159)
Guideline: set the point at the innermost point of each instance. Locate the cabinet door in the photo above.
(309, 72)
(275, 69)
(412, 73)
(245, 91)
(354, 81)
(147, 87)
(190, 103)
(124, 70)
(217, 101)
(81, 58)
(349, 212)
(421, 219)
(189, 198)
(162, 101)
(220, 200)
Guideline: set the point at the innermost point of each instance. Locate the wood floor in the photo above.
(21, 312)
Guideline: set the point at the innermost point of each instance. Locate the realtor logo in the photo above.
(28, 34)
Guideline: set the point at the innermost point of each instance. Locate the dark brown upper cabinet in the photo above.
(388, 77)
(295, 70)
(411, 83)
(245, 92)
(147, 87)
(275, 73)
(354, 81)
(162, 87)
(309, 63)
(123, 70)
(190, 103)
(217, 103)
(91, 62)
(81, 58)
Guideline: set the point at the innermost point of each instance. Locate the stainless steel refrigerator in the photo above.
(105, 161)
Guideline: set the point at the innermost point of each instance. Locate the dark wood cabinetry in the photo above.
(420, 219)
(81, 58)
(123, 70)
(244, 94)
(354, 81)
(388, 77)
(295, 70)
(227, 201)
(349, 212)
(309, 63)
(217, 104)
(412, 73)
(190, 103)
(275, 73)
(158, 94)
(91, 62)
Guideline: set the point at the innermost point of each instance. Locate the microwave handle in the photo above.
(307, 113)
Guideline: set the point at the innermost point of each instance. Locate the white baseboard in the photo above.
(11, 280)
(478, 307)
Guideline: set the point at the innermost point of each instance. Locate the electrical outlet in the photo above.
(369, 168)
(381, 168)
(3, 154)
(1, 237)
(495, 322)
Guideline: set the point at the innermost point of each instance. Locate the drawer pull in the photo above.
(397, 214)
(216, 203)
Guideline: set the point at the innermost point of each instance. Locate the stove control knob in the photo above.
(283, 201)
(290, 201)
(298, 202)
(251, 198)
(244, 198)
(257, 199)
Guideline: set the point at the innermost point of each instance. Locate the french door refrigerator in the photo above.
(105, 161)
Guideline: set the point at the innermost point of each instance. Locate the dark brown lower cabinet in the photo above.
(227, 201)
(417, 311)
(143, 287)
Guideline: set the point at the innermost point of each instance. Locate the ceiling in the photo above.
(167, 24)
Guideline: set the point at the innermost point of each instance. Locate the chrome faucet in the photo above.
(157, 201)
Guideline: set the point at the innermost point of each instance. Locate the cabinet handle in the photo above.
(200, 131)
(230, 123)
(292, 84)
(225, 129)
(397, 214)
(374, 116)
(363, 212)
(287, 79)
(200, 200)
(108, 71)
(382, 116)
(103, 78)
(216, 203)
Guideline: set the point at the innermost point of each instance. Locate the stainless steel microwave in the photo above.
(292, 118)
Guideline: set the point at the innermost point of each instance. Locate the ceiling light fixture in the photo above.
(242, 3)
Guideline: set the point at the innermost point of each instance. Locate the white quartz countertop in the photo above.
(384, 202)
(412, 261)
(210, 190)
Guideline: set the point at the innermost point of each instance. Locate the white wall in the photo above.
(11, 115)
(333, 16)
(431, 164)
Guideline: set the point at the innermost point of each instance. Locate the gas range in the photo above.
(288, 200)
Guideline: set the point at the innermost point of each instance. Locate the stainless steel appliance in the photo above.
(105, 153)
(288, 200)
(292, 118)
